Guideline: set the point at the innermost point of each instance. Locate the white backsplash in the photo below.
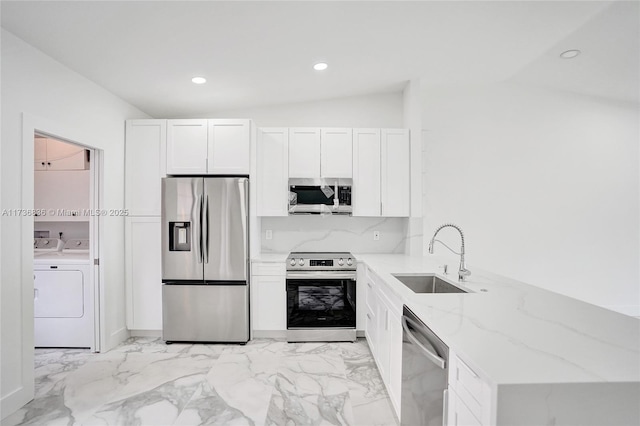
(333, 233)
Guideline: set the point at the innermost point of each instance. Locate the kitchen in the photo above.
(510, 154)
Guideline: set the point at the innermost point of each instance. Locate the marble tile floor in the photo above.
(265, 382)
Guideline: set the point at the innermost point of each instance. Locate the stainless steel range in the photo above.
(321, 297)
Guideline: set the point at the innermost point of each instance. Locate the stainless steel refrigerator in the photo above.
(205, 268)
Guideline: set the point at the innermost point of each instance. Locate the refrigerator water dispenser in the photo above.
(179, 236)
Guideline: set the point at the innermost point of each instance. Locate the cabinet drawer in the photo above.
(271, 269)
(461, 415)
(370, 289)
(468, 386)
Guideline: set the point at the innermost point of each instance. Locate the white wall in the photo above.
(46, 91)
(544, 184)
(376, 110)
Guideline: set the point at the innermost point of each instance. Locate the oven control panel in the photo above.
(320, 262)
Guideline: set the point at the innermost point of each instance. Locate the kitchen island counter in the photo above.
(515, 334)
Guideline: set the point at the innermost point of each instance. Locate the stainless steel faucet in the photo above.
(463, 272)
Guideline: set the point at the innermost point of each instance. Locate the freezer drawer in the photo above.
(205, 313)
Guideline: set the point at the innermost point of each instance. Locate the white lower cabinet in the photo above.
(384, 334)
(470, 397)
(268, 297)
(143, 269)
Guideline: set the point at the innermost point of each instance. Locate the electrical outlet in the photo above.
(268, 234)
(376, 235)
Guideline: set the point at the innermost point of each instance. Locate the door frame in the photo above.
(66, 132)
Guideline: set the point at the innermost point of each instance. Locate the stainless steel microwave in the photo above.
(320, 196)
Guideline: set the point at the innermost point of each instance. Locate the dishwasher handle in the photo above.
(431, 356)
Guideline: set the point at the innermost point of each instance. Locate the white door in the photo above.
(304, 153)
(186, 147)
(272, 169)
(229, 147)
(336, 153)
(143, 273)
(366, 172)
(396, 173)
(145, 165)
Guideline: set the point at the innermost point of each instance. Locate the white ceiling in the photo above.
(261, 53)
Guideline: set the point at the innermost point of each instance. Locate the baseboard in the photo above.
(14, 401)
(145, 333)
(269, 334)
(115, 339)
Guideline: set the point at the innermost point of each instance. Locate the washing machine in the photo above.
(63, 298)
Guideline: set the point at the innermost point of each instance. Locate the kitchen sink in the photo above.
(427, 283)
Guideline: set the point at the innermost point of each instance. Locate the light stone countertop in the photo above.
(515, 333)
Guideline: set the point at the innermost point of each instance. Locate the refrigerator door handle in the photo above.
(205, 229)
(200, 253)
(196, 214)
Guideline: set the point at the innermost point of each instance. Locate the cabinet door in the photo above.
(269, 303)
(65, 156)
(145, 165)
(186, 147)
(384, 343)
(395, 359)
(272, 169)
(304, 153)
(396, 175)
(229, 148)
(336, 153)
(366, 172)
(371, 327)
(40, 154)
(143, 273)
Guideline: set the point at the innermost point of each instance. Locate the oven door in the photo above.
(316, 301)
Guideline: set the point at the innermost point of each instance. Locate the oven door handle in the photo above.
(321, 276)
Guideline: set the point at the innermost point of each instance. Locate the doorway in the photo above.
(65, 288)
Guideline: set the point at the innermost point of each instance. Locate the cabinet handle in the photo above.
(43, 163)
(368, 315)
(369, 285)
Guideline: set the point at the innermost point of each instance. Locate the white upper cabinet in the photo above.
(145, 165)
(213, 147)
(336, 153)
(395, 173)
(272, 169)
(366, 172)
(381, 172)
(229, 147)
(51, 154)
(304, 153)
(187, 147)
(320, 153)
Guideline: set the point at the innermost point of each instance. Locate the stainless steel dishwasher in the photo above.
(425, 361)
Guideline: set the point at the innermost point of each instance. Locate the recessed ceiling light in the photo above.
(570, 54)
(320, 66)
(199, 80)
